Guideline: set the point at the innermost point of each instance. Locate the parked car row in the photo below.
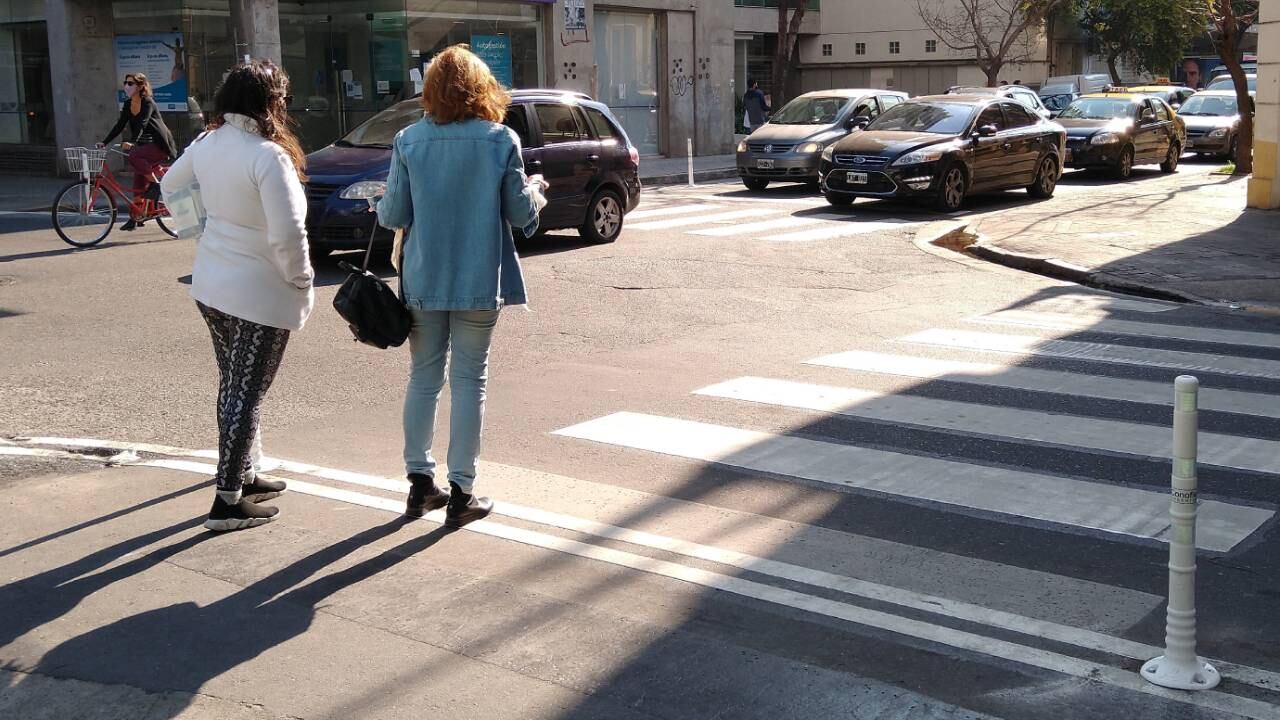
(575, 143)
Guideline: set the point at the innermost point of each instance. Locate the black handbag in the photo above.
(374, 312)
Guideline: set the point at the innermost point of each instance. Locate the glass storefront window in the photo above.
(26, 94)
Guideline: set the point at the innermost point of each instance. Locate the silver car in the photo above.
(789, 147)
(1212, 118)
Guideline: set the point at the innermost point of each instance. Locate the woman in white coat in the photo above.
(252, 277)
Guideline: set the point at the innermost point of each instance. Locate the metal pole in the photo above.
(1179, 667)
(690, 142)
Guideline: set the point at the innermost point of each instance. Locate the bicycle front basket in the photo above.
(85, 160)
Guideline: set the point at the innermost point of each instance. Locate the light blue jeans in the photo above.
(461, 337)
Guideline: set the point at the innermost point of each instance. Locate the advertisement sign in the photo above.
(495, 51)
(163, 59)
(575, 15)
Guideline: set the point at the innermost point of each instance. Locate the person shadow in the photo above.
(183, 646)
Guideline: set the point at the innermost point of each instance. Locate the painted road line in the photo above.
(671, 210)
(919, 601)
(717, 198)
(1049, 381)
(1098, 352)
(747, 229)
(999, 423)
(701, 219)
(1007, 493)
(1055, 321)
(843, 229)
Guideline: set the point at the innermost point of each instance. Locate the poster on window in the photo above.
(575, 14)
(163, 59)
(495, 51)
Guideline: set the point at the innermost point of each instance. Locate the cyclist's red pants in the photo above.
(144, 159)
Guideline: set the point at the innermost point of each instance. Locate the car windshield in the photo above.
(381, 129)
(1226, 83)
(1098, 109)
(809, 111)
(1209, 105)
(936, 117)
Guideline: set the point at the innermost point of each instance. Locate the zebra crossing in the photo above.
(767, 221)
(970, 366)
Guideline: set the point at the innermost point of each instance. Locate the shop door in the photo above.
(627, 58)
(26, 110)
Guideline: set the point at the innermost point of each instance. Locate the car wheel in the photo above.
(1170, 163)
(1123, 168)
(951, 190)
(756, 184)
(1046, 179)
(841, 201)
(604, 218)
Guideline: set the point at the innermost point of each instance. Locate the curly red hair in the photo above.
(459, 86)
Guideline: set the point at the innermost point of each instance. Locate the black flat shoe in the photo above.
(262, 489)
(130, 226)
(424, 496)
(465, 508)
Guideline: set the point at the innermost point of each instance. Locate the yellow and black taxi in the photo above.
(1174, 95)
(1118, 130)
(942, 148)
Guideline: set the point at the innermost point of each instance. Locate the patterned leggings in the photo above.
(248, 357)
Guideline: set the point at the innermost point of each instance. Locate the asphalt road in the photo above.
(756, 459)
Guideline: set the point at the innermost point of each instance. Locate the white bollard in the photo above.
(690, 141)
(1179, 667)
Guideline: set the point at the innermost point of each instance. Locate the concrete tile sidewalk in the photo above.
(22, 193)
(1186, 236)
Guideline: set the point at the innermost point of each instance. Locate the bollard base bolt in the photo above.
(1198, 675)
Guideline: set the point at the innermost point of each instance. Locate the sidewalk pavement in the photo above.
(1185, 236)
(22, 193)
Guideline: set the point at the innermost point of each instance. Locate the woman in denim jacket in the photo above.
(457, 183)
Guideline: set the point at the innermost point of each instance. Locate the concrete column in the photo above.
(255, 26)
(1264, 186)
(714, 71)
(82, 69)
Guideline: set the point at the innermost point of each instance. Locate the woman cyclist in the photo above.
(152, 144)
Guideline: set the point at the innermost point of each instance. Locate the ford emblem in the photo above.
(859, 160)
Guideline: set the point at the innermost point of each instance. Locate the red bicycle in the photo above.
(85, 211)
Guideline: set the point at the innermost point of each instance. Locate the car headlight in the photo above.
(1104, 139)
(923, 155)
(809, 147)
(364, 190)
(829, 154)
(742, 146)
(1219, 133)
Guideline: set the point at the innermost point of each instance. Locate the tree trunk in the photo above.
(1229, 31)
(788, 30)
(993, 73)
(1111, 67)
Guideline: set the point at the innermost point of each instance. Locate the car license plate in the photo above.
(856, 178)
(764, 164)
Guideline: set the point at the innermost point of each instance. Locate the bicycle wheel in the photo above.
(83, 215)
(160, 220)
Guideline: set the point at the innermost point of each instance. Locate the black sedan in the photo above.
(944, 147)
(1116, 131)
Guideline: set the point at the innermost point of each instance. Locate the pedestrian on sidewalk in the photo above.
(458, 187)
(757, 106)
(152, 145)
(252, 278)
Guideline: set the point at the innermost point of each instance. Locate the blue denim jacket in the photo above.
(459, 188)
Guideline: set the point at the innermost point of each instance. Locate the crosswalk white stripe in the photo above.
(1049, 381)
(1107, 508)
(843, 229)
(936, 605)
(1071, 431)
(671, 210)
(763, 226)
(701, 219)
(1098, 352)
(1054, 321)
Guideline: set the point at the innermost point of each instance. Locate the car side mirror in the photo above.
(1176, 106)
(861, 121)
(1148, 116)
(986, 131)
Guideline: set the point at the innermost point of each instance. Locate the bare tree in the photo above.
(1230, 20)
(995, 32)
(788, 31)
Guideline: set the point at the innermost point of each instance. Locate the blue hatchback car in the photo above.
(572, 141)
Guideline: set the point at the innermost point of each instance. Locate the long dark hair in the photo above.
(259, 90)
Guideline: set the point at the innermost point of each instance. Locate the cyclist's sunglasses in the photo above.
(129, 83)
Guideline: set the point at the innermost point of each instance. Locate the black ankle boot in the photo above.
(424, 496)
(224, 516)
(465, 508)
(262, 489)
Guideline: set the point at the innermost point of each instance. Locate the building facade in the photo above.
(664, 66)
